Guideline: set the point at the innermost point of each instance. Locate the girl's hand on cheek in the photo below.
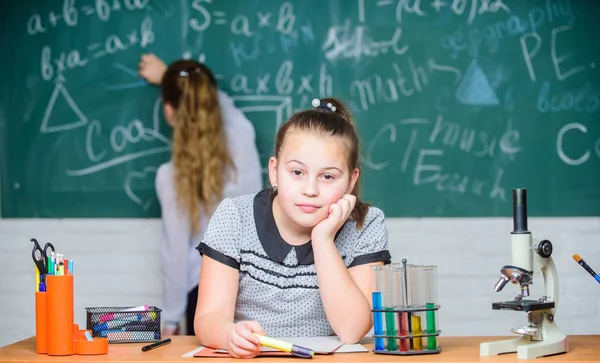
(242, 343)
(338, 214)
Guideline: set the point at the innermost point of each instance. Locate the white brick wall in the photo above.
(117, 264)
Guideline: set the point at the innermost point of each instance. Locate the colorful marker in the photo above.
(113, 324)
(37, 279)
(296, 350)
(122, 314)
(122, 336)
(125, 325)
(582, 263)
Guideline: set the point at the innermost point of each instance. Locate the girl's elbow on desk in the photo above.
(351, 337)
(351, 334)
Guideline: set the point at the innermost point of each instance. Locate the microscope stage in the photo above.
(523, 305)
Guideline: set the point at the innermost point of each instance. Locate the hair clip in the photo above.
(316, 103)
(187, 72)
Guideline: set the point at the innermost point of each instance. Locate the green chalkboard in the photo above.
(457, 101)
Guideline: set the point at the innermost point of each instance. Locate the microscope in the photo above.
(541, 336)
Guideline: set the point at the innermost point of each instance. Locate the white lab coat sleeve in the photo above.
(174, 249)
(241, 144)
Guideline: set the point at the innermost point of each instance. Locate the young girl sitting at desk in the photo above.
(294, 260)
(214, 156)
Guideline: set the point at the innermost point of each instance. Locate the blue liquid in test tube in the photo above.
(377, 320)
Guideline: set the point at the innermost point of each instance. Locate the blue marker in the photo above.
(125, 325)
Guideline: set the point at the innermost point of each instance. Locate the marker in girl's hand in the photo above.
(296, 350)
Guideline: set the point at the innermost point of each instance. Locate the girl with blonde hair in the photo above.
(214, 156)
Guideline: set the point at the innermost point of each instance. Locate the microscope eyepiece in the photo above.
(520, 211)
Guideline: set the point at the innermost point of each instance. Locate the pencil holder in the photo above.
(55, 331)
(59, 302)
(41, 323)
(125, 324)
(405, 309)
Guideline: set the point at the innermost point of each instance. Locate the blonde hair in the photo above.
(200, 154)
(330, 123)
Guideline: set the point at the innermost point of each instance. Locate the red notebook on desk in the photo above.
(219, 353)
(320, 345)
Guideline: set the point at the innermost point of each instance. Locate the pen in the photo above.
(296, 350)
(156, 345)
(582, 263)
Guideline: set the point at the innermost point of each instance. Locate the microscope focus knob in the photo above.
(515, 277)
(544, 248)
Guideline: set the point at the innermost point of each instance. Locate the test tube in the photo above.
(402, 317)
(377, 299)
(390, 305)
(430, 273)
(407, 302)
(416, 289)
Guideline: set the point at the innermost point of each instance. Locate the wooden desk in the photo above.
(584, 348)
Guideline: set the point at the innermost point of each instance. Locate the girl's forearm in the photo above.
(212, 329)
(346, 307)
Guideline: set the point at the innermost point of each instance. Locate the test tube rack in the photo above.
(410, 338)
(404, 301)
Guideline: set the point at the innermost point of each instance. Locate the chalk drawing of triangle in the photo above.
(475, 89)
(59, 89)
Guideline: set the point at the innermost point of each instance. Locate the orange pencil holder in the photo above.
(56, 333)
(59, 300)
(41, 323)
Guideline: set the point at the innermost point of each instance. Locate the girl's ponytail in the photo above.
(200, 155)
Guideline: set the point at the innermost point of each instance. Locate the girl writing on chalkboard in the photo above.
(294, 260)
(214, 156)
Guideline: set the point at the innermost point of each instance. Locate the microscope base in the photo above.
(554, 342)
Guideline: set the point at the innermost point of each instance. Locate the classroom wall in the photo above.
(117, 264)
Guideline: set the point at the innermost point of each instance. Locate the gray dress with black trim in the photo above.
(278, 282)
